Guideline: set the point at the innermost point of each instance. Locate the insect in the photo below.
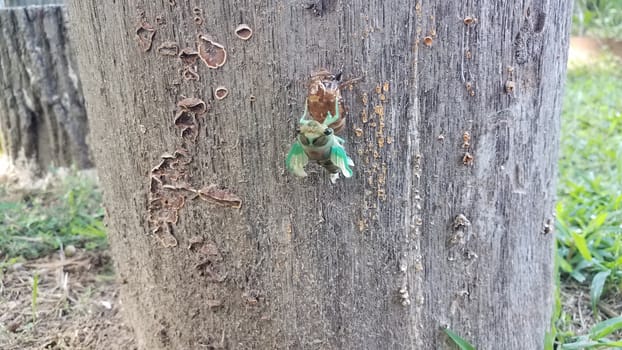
(317, 141)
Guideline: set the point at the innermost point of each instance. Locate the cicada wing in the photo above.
(297, 160)
(340, 159)
(350, 162)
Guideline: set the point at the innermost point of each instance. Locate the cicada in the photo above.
(317, 141)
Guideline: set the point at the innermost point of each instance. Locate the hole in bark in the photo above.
(468, 20)
(539, 22)
(211, 53)
(190, 73)
(193, 104)
(168, 48)
(188, 56)
(190, 134)
(144, 34)
(221, 92)
(184, 119)
(243, 31)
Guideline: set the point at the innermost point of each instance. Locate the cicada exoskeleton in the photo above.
(324, 93)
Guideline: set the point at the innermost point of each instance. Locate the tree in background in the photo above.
(42, 115)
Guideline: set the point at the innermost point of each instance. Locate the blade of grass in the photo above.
(462, 344)
(604, 328)
(581, 245)
(596, 289)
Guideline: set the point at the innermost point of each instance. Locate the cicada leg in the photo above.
(306, 112)
(332, 118)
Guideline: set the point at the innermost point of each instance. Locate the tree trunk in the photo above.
(453, 130)
(42, 115)
(16, 3)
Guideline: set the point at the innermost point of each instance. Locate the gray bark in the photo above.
(42, 114)
(16, 3)
(441, 226)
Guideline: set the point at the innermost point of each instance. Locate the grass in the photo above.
(589, 211)
(35, 223)
(598, 18)
(34, 296)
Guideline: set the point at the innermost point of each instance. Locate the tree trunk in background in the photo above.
(454, 133)
(14, 3)
(42, 115)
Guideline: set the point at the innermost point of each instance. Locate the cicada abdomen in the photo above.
(323, 95)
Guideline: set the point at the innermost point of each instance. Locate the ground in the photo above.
(77, 305)
(64, 293)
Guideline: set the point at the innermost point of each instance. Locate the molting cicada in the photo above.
(317, 141)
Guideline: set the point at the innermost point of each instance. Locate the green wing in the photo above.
(339, 157)
(296, 160)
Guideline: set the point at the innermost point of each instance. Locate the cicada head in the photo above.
(316, 139)
(323, 96)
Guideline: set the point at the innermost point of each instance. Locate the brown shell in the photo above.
(324, 89)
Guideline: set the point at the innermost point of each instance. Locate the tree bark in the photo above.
(42, 114)
(454, 132)
(20, 3)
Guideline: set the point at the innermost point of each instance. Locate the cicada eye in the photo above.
(328, 131)
(303, 139)
(297, 130)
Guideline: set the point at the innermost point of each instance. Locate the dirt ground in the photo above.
(77, 305)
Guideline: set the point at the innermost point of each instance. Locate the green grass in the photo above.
(34, 296)
(36, 223)
(459, 341)
(598, 18)
(589, 211)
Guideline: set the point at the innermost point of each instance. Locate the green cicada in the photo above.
(318, 142)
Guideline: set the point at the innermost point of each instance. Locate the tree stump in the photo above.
(42, 116)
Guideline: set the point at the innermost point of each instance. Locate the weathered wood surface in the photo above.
(19, 3)
(442, 224)
(42, 114)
